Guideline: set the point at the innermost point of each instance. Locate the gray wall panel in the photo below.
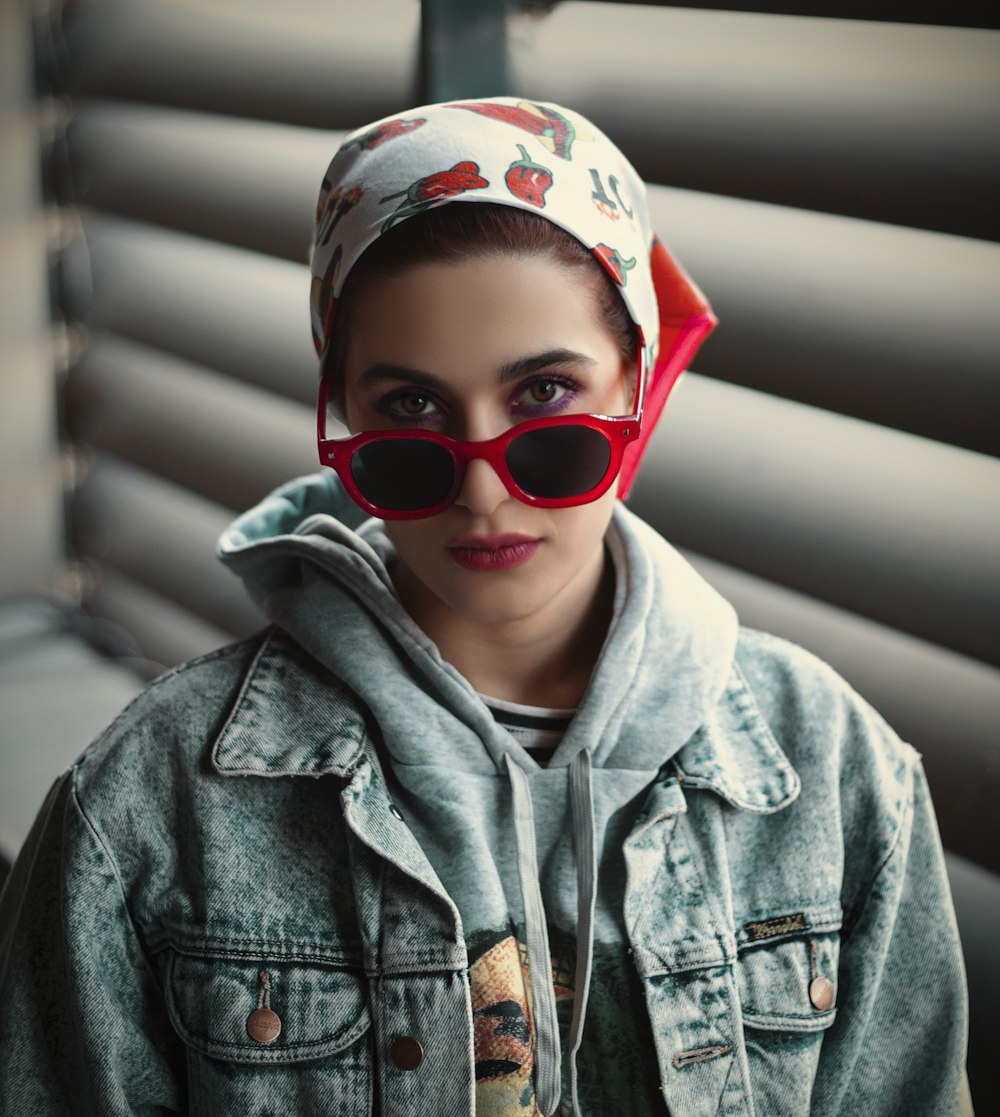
(162, 537)
(886, 121)
(897, 326)
(167, 633)
(235, 311)
(226, 441)
(900, 529)
(248, 183)
(296, 61)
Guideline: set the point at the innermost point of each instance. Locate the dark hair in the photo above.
(461, 231)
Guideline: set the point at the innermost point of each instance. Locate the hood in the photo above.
(322, 575)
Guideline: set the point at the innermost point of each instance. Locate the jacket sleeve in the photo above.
(82, 1028)
(899, 1043)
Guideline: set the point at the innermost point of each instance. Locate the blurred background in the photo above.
(827, 171)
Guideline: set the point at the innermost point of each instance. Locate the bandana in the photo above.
(532, 156)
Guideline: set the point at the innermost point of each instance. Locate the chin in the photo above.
(492, 605)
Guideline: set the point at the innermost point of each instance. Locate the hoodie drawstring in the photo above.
(543, 994)
(548, 1057)
(581, 797)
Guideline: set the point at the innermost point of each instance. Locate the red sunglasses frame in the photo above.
(619, 430)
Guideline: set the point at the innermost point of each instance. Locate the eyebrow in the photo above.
(511, 370)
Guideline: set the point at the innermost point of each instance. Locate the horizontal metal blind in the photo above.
(831, 463)
(199, 137)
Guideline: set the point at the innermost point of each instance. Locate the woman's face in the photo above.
(470, 349)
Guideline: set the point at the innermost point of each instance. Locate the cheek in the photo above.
(596, 516)
(420, 545)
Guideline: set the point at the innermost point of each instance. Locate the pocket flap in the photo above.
(321, 1009)
(790, 985)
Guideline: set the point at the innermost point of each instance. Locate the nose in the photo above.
(482, 491)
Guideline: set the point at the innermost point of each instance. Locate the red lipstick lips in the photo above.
(493, 552)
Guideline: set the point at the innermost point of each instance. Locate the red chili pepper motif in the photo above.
(552, 128)
(324, 199)
(615, 263)
(338, 204)
(388, 130)
(434, 188)
(528, 181)
(321, 293)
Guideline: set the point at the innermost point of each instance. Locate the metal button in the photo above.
(263, 1025)
(406, 1052)
(821, 993)
(395, 811)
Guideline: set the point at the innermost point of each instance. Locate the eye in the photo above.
(408, 405)
(546, 393)
(413, 405)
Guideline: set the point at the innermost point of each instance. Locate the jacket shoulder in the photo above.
(858, 777)
(805, 702)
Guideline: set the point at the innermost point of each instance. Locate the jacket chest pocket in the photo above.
(788, 997)
(270, 1036)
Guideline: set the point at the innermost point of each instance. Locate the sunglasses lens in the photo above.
(557, 462)
(403, 474)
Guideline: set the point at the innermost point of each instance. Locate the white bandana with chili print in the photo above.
(538, 157)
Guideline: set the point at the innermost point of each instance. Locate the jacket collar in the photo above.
(293, 717)
(736, 755)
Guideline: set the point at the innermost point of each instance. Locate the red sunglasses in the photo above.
(557, 462)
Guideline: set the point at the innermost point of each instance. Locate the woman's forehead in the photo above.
(485, 313)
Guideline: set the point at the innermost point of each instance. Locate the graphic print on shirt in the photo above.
(381, 133)
(503, 1025)
(614, 262)
(527, 180)
(617, 1050)
(434, 188)
(553, 130)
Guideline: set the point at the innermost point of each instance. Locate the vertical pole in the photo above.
(31, 497)
(463, 47)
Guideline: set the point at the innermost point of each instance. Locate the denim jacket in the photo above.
(232, 844)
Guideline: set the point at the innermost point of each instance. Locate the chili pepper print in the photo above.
(381, 133)
(321, 293)
(338, 204)
(528, 181)
(323, 200)
(615, 263)
(552, 128)
(438, 187)
(329, 282)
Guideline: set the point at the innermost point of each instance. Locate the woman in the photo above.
(504, 814)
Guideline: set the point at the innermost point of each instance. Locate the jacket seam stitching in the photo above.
(106, 850)
(905, 815)
(116, 868)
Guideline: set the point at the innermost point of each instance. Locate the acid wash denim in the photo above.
(236, 820)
